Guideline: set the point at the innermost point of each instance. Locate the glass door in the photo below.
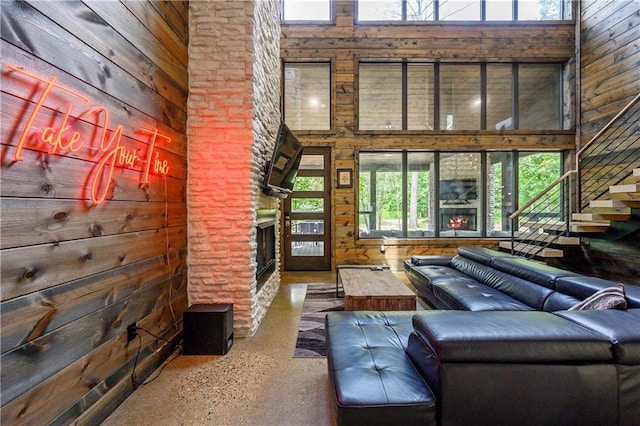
(307, 215)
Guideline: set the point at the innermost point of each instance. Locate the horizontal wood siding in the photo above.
(344, 43)
(76, 274)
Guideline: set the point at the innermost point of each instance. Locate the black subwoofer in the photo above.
(208, 329)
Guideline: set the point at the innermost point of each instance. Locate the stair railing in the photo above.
(544, 218)
(607, 159)
(610, 155)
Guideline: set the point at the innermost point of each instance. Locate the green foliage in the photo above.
(549, 9)
(536, 172)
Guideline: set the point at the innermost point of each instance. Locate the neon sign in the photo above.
(64, 137)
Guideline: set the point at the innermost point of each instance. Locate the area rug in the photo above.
(319, 300)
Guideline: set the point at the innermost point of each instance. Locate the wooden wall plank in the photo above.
(24, 91)
(176, 16)
(98, 370)
(28, 221)
(27, 317)
(122, 21)
(86, 271)
(35, 268)
(23, 366)
(64, 177)
(95, 70)
(148, 16)
(110, 44)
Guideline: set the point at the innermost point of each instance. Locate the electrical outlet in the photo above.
(131, 332)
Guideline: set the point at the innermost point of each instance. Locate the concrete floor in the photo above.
(257, 383)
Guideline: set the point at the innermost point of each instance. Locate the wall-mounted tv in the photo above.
(458, 190)
(281, 171)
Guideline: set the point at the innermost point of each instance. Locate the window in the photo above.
(459, 10)
(499, 10)
(462, 10)
(379, 10)
(460, 194)
(421, 194)
(536, 171)
(420, 98)
(539, 96)
(460, 97)
(381, 200)
(380, 96)
(449, 97)
(500, 193)
(307, 96)
(539, 10)
(499, 97)
(306, 10)
(420, 10)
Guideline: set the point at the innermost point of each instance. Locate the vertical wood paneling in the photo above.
(75, 274)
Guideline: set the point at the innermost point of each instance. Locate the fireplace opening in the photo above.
(458, 219)
(265, 247)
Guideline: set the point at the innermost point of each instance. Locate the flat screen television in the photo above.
(281, 171)
(460, 190)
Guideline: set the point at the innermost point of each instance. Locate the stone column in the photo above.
(233, 116)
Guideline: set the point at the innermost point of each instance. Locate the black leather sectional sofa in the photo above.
(502, 348)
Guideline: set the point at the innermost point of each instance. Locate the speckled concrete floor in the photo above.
(257, 383)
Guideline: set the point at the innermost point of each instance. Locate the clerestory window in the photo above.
(306, 10)
(454, 96)
(462, 10)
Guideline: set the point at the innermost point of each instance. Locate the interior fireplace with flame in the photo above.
(458, 219)
(266, 245)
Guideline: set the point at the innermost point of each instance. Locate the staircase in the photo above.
(602, 192)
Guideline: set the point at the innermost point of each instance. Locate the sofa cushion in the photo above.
(531, 294)
(525, 337)
(470, 295)
(432, 273)
(481, 254)
(632, 294)
(621, 327)
(536, 272)
(430, 260)
(607, 298)
(559, 302)
(372, 379)
(581, 287)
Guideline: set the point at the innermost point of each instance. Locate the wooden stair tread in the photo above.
(553, 226)
(561, 240)
(613, 204)
(636, 172)
(532, 249)
(600, 216)
(625, 188)
(628, 196)
(588, 227)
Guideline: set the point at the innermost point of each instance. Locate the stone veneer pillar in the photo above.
(233, 117)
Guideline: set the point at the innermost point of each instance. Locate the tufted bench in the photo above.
(372, 379)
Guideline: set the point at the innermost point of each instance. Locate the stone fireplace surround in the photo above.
(233, 118)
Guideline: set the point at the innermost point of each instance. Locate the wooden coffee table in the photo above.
(373, 288)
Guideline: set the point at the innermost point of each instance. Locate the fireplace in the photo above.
(266, 246)
(458, 219)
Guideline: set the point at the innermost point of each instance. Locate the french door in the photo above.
(307, 214)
